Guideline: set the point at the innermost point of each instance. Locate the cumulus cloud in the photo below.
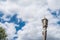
(10, 29)
(32, 30)
(54, 4)
(31, 11)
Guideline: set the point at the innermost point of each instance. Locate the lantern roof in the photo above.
(45, 18)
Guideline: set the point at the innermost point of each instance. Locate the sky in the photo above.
(22, 19)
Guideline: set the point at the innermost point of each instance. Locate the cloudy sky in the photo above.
(22, 18)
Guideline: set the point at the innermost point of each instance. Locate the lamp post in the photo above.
(45, 25)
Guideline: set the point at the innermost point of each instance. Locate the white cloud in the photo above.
(10, 29)
(54, 4)
(32, 30)
(31, 11)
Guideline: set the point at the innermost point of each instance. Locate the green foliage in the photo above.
(2, 34)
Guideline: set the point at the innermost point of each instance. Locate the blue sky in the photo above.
(22, 18)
